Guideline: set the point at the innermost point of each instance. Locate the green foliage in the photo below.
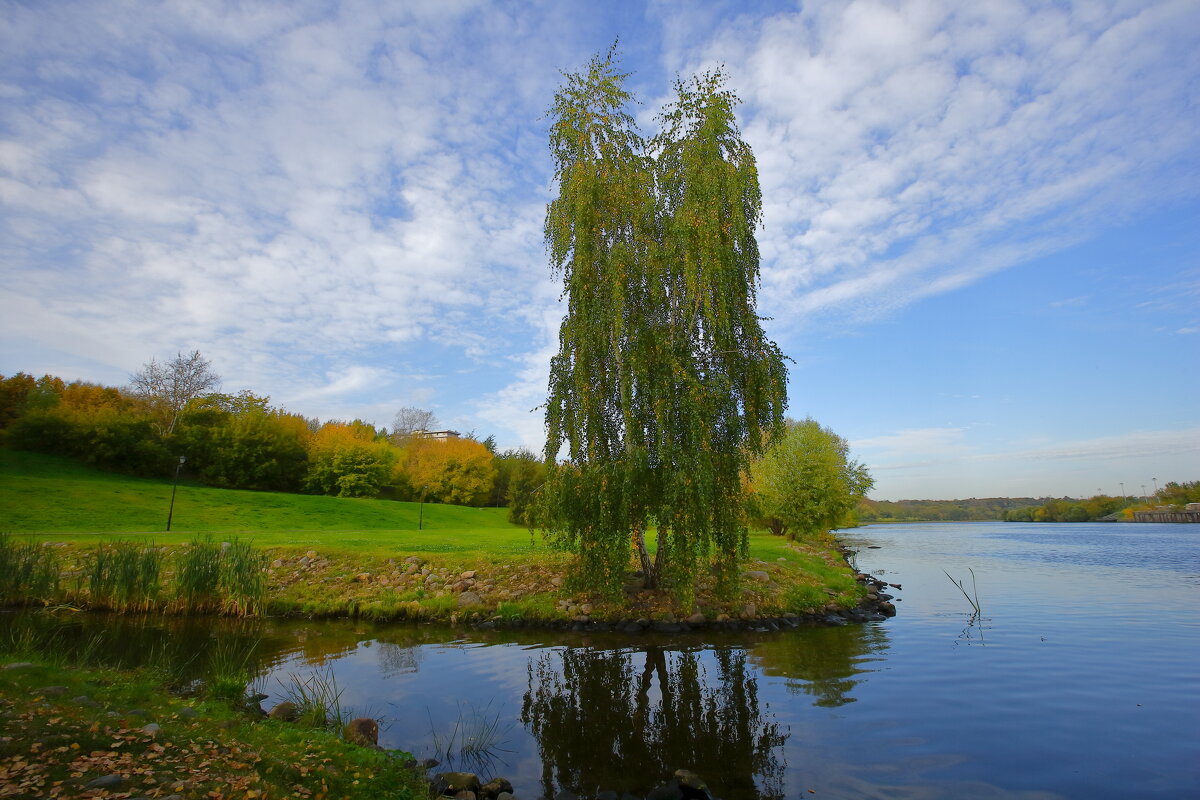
(1179, 494)
(105, 438)
(981, 508)
(806, 482)
(249, 447)
(519, 474)
(1070, 510)
(664, 381)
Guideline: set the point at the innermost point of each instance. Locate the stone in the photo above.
(311, 554)
(286, 711)
(696, 619)
(153, 729)
(53, 691)
(105, 782)
(18, 665)
(749, 611)
(757, 575)
(362, 731)
(887, 609)
(494, 788)
(363, 577)
(468, 574)
(84, 700)
(277, 563)
(458, 781)
(187, 712)
(469, 599)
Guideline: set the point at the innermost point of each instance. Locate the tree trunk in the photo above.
(639, 542)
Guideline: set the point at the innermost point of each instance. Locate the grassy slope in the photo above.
(47, 494)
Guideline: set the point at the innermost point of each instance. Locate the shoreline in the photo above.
(808, 584)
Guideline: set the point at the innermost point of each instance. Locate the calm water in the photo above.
(1079, 679)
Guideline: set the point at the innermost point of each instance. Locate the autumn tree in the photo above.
(458, 471)
(806, 481)
(348, 460)
(169, 387)
(664, 382)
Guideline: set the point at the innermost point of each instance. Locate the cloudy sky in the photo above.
(981, 240)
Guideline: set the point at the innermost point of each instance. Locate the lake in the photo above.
(1079, 677)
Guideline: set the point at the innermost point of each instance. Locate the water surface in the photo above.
(1077, 679)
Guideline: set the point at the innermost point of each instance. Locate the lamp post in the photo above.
(174, 486)
(1144, 498)
(1155, 489)
(421, 515)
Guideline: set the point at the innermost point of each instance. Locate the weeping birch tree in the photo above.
(664, 383)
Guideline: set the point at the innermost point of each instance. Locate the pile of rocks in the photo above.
(683, 785)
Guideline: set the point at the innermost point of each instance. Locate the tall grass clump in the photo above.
(124, 576)
(28, 572)
(198, 576)
(224, 578)
(243, 580)
(318, 700)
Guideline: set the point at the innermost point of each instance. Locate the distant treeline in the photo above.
(1173, 495)
(975, 508)
(1025, 509)
(242, 442)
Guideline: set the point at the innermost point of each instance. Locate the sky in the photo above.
(980, 241)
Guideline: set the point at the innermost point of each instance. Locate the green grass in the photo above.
(48, 494)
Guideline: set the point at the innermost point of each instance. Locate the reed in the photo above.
(228, 670)
(28, 572)
(318, 699)
(243, 579)
(124, 576)
(198, 577)
(973, 600)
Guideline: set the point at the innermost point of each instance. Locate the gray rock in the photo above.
(286, 711)
(105, 782)
(152, 729)
(469, 599)
(494, 788)
(18, 665)
(757, 575)
(696, 619)
(53, 691)
(458, 781)
(84, 700)
(187, 712)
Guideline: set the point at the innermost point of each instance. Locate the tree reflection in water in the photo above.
(823, 663)
(624, 720)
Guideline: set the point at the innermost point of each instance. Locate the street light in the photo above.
(421, 516)
(174, 486)
(1155, 489)
(1122, 490)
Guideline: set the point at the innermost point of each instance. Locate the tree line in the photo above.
(240, 441)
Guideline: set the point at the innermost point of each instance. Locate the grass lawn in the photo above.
(48, 494)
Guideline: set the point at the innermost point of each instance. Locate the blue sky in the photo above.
(980, 240)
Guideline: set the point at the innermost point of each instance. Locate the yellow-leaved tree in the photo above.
(458, 471)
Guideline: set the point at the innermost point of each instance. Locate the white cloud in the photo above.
(901, 144)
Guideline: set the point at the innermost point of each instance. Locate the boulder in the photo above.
(494, 788)
(455, 782)
(105, 782)
(286, 711)
(691, 785)
(469, 599)
(757, 575)
(362, 731)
